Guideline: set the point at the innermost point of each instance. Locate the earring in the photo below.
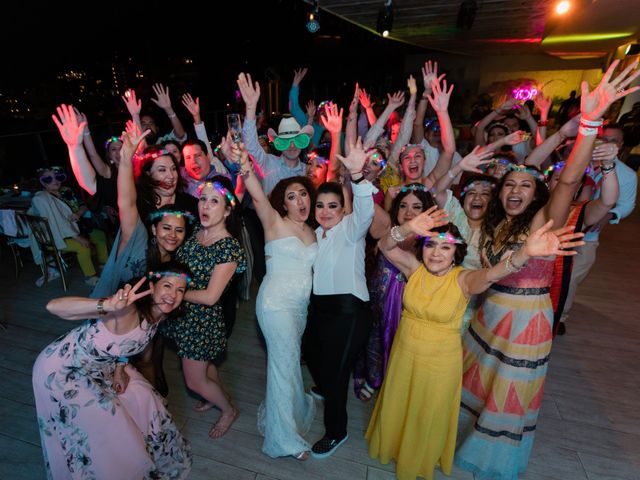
(153, 240)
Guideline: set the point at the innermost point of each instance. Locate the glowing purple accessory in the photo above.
(158, 275)
(220, 189)
(447, 237)
(559, 166)
(178, 213)
(524, 169)
(484, 183)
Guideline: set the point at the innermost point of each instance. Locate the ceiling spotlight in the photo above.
(312, 20)
(385, 19)
(563, 7)
(466, 14)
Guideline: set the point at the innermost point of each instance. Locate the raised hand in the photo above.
(516, 137)
(235, 152)
(353, 107)
(427, 221)
(544, 242)
(606, 153)
(80, 116)
(357, 158)
(250, 92)
(570, 129)
(396, 100)
(365, 99)
(131, 138)
(475, 159)
(311, 109)
(439, 97)
(70, 130)
(162, 96)
(192, 105)
(298, 76)
(133, 105)
(332, 118)
(411, 83)
(523, 113)
(543, 104)
(430, 74)
(593, 105)
(125, 296)
(506, 106)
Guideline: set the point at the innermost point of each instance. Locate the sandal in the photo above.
(223, 424)
(302, 456)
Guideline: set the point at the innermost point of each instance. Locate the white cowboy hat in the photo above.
(289, 128)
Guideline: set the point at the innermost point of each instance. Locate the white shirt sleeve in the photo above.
(357, 223)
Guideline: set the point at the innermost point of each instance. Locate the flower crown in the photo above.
(409, 146)
(178, 213)
(221, 189)
(447, 237)
(149, 156)
(531, 171)
(414, 187)
(159, 275)
(470, 185)
(559, 166)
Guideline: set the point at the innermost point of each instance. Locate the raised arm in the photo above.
(524, 114)
(593, 106)
(597, 209)
(72, 133)
(351, 134)
(406, 126)
(251, 94)
(294, 94)
(542, 152)
(491, 117)
(543, 104)
(127, 195)
(429, 74)
(395, 101)
(439, 100)
(134, 106)
(163, 100)
(541, 243)
(421, 226)
(332, 121)
(99, 165)
(365, 101)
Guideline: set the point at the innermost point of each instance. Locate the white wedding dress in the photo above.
(287, 411)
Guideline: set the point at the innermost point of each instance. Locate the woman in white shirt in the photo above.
(339, 317)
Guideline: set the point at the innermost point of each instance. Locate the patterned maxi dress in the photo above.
(506, 354)
(90, 432)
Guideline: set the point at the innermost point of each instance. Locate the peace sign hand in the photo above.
(124, 297)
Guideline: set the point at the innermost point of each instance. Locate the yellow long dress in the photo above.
(416, 415)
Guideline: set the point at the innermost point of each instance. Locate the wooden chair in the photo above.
(51, 256)
(18, 242)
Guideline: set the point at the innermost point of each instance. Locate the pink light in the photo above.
(511, 40)
(525, 93)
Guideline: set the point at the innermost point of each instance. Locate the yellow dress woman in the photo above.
(416, 415)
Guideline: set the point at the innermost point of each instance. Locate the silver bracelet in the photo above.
(396, 236)
(172, 115)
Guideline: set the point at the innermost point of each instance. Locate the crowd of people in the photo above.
(430, 281)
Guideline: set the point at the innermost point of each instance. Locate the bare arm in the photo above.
(544, 106)
(597, 209)
(220, 277)
(469, 163)
(440, 103)
(546, 148)
(100, 166)
(365, 101)
(351, 134)
(429, 75)
(381, 223)
(163, 100)
(491, 117)
(395, 101)
(332, 121)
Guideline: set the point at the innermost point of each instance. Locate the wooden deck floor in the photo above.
(589, 427)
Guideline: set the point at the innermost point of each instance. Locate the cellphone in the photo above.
(234, 123)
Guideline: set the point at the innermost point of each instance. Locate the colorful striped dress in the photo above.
(506, 353)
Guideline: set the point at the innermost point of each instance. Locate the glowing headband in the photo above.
(531, 171)
(379, 159)
(110, 140)
(313, 156)
(178, 213)
(327, 103)
(220, 189)
(159, 275)
(447, 237)
(409, 146)
(469, 186)
(145, 157)
(418, 187)
(559, 166)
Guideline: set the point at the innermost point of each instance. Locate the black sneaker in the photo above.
(562, 329)
(325, 447)
(315, 393)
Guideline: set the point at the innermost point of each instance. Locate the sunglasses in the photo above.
(301, 141)
(60, 177)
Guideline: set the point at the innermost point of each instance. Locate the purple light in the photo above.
(525, 93)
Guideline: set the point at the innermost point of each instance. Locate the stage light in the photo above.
(466, 14)
(385, 19)
(312, 20)
(585, 37)
(563, 7)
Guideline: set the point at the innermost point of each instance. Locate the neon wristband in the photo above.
(587, 132)
(124, 360)
(591, 123)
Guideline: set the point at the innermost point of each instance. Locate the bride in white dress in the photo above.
(290, 250)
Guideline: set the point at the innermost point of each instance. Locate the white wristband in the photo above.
(587, 132)
(591, 123)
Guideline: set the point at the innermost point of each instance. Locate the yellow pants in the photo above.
(99, 240)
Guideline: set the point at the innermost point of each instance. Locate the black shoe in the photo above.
(562, 329)
(325, 447)
(314, 391)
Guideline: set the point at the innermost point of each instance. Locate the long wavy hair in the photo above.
(519, 226)
(424, 196)
(146, 186)
(153, 252)
(276, 197)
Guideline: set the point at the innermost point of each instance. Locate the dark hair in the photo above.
(461, 248)
(476, 177)
(331, 187)
(276, 197)
(148, 198)
(172, 142)
(613, 126)
(153, 252)
(145, 304)
(519, 224)
(501, 125)
(423, 195)
(195, 141)
(232, 222)
(323, 150)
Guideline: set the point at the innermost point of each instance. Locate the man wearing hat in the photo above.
(290, 140)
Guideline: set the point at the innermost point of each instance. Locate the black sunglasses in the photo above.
(60, 177)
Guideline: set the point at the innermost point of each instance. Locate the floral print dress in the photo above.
(90, 432)
(200, 333)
